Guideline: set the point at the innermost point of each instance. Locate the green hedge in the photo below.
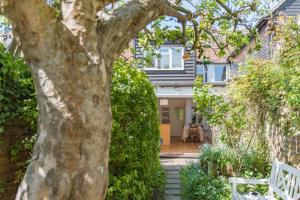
(134, 154)
(17, 93)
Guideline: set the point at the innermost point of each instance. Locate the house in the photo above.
(287, 8)
(173, 77)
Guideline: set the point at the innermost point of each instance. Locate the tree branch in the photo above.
(80, 18)
(196, 34)
(172, 12)
(125, 22)
(34, 25)
(79, 15)
(183, 10)
(224, 7)
(214, 39)
(26, 14)
(175, 9)
(183, 32)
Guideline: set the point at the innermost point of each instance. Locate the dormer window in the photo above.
(215, 73)
(169, 58)
(164, 59)
(219, 73)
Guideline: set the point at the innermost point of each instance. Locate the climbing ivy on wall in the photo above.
(271, 88)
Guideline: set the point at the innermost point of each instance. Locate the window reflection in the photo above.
(214, 73)
(177, 57)
(165, 58)
(219, 73)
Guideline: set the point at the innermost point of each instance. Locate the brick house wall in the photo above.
(283, 147)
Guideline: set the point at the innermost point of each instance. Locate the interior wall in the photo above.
(176, 124)
(188, 111)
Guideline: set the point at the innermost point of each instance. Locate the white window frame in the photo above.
(169, 47)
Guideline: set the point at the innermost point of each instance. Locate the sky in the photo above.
(172, 23)
(6, 35)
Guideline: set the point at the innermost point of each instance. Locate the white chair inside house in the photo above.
(284, 183)
(194, 132)
(185, 133)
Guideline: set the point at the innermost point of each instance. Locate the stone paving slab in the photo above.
(172, 172)
(177, 181)
(172, 197)
(176, 176)
(176, 161)
(172, 186)
(172, 191)
(173, 168)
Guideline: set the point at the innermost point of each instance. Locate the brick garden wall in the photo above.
(15, 131)
(285, 148)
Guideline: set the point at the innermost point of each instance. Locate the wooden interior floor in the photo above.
(177, 146)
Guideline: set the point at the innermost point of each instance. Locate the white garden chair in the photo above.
(284, 182)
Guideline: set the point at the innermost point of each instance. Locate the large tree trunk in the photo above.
(71, 60)
(70, 159)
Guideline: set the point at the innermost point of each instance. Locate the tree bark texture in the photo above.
(71, 61)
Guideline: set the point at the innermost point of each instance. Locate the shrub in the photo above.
(227, 114)
(208, 178)
(17, 93)
(218, 161)
(17, 100)
(226, 161)
(134, 153)
(198, 185)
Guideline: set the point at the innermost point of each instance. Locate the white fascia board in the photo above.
(184, 91)
(174, 92)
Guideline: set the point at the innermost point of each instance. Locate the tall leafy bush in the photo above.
(134, 154)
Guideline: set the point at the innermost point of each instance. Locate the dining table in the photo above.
(189, 130)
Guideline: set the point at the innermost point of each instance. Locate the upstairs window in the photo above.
(169, 58)
(219, 73)
(177, 60)
(214, 73)
(201, 72)
(164, 59)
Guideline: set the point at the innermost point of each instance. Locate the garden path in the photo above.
(172, 166)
